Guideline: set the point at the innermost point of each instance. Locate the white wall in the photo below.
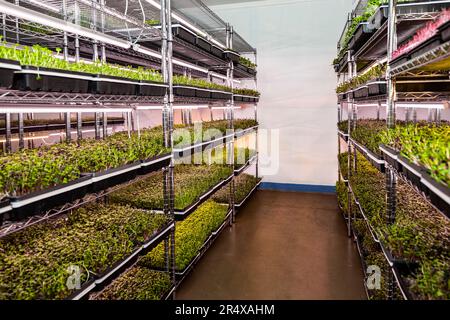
(296, 42)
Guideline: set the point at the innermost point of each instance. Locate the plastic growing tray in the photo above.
(147, 88)
(7, 68)
(30, 78)
(113, 85)
(113, 177)
(203, 44)
(99, 282)
(377, 87)
(374, 159)
(41, 201)
(155, 163)
(184, 34)
(184, 91)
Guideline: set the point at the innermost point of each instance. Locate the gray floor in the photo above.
(283, 246)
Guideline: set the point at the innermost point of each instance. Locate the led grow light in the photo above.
(176, 107)
(34, 109)
(427, 105)
(225, 108)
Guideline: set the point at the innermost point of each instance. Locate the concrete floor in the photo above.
(283, 246)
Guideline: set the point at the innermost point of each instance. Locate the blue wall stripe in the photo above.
(297, 187)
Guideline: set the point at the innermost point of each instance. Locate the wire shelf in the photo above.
(434, 55)
(94, 16)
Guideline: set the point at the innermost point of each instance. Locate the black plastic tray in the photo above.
(7, 74)
(184, 91)
(147, 88)
(183, 34)
(433, 189)
(362, 92)
(199, 93)
(216, 51)
(342, 97)
(370, 156)
(218, 95)
(361, 35)
(6, 213)
(377, 87)
(121, 266)
(438, 86)
(181, 274)
(390, 156)
(411, 171)
(203, 44)
(231, 55)
(154, 164)
(117, 176)
(62, 81)
(182, 214)
(99, 86)
(44, 200)
(445, 31)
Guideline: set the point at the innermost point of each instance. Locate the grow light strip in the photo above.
(439, 106)
(225, 108)
(37, 17)
(177, 107)
(13, 109)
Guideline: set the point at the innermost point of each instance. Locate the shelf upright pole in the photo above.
(167, 114)
(256, 119)
(8, 131)
(438, 116)
(414, 115)
(77, 39)
(129, 124)
(94, 27)
(79, 127)
(4, 26)
(391, 185)
(378, 109)
(103, 48)
(256, 143)
(21, 133)
(354, 120)
(350, 118)
(138, 125)
(349, 164)
(17, 3)
(230, 75)
(429, 116)
(391, 46)
(349, 64)
(65, 40)
(391, 178)
(105, 125)
(97, 126)
(339, 118)
(68, 126)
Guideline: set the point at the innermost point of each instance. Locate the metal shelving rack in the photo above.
(397, 13)
(103, 29)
